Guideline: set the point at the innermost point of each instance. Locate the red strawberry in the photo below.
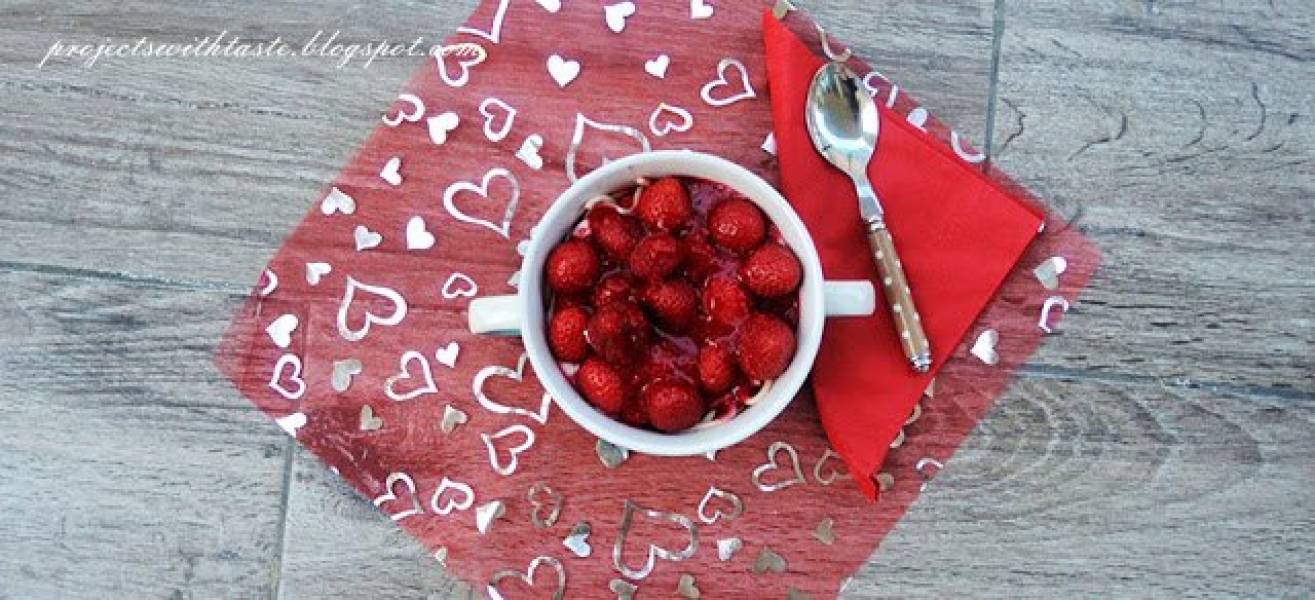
(772, 270)
(673, 405)
(701, 261)
(572, 267)
(716, 368)
(613, 288)
(618, 332)
(725, 301)
(666, 359)
(566, 333)
(766, 347)
(634, 413)
(737, 224)
(665, 205)
(603, 386)
(656, 256)
(614, 232)
(674, 303)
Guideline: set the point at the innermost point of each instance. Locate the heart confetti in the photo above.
(736, 506)
(551, 6)
(1050, 304)
(392, 171)
(984, 347)
(494, 32)
(427, 377)
(685, 588)
(452, 418)
(369, 422)
(487, 513)
(623, 589)
(578, 540)
(343, 372)
(508, 466)
(563, 71)
(583, 123)
(699, 9)
(315, 271)
(771, 465)
(337, 202)
(417, 235)
(616, 15)
(654, 551)
(366, 239)
(441, 507)
(745, 93)
(528, 577)
(667, 119)
(538, 518)
(280, 330)
(276, 380)
(459, 285)
(291, 423)
(518, 375)
(271, 283)
(441, 125)
(349, 296)
(1049, 270)
(464, 57)
(824, 532)
(769, 560)
(726, 548)
(447, 355)
(610, 454)
(529, 152)
(830, 475)
(388, 496)
(504, 227)
(413, 115)
(497, 111)
(657, 67)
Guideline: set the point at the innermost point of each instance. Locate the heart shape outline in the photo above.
(772, 465)
(654, 551)
(389, 496)
(451, 505)
(349, 296)
(509, 118)
(528, 577)
(276, 379)
(737, 506)
(271, 283)
(417, 111)
(429, 386)
(518, 375)
(835, 473)
(513, 453)
(577, 139)
(665, 128)
(451, 293)
(494, 32)
(467, 54)
(537, 518)
(504, 230)
(747, 93)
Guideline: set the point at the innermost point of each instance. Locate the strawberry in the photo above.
(618, 332)
(701, 261)
(614, 232)
(572, 267)
(771, 270)
(656, 256)
(666, 359)
(673, 303)
(766, 346)
(737, 224)
(673, 405)
(725, 301)
(613, 288)
(634, 413)
(665, 205)
(603, 386)
(566, 333)
(716, 368)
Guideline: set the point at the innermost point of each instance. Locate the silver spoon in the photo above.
(844, 123)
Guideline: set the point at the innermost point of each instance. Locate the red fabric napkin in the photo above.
(958, 235)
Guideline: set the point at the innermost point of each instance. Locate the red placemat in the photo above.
(355, 338)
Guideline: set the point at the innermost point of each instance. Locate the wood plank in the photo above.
(129, 468)
(1087, 489)
(1185, 137)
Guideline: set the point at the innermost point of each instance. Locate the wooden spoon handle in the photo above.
(896, 286)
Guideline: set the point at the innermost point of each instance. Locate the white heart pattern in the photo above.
(315, 271)
(459, 285)
(441, 125)
(494, 33)
(403, 116)
(699, 9)
(654, 551)
(507, 117)
(447, 355)
(349, 296)
(388, 496)
(667, 118)
(291, 423)
(366, 239)
(428, 386)
(657, 67)
(503, 228)
(545, 405)
(392, 172)
(337, 202)
(551, 6)
(276, 380)
(280, 330)
(616, 15)
(744, 94)
(417, 236)
(271, 283)
(563, 71)
(529, 152)
(1049, 270)
(507, 467)
(466, 55)
(446, 508)
(984, 347)
(771, 465)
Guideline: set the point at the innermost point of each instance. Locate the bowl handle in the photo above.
(849, 298)
(495, 315)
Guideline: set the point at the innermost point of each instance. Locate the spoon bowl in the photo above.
(843, 121)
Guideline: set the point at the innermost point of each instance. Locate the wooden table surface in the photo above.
(1164, 445)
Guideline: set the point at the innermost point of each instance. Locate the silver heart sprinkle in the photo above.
(610, 454)
(769, 560)
(623, 589)
(771, 465)
(830, 477)
(343, 371)
(984, 347)
(737, 506)
(486, 514)
(440, 555)
(726, 548)
(528, 577)
(369, 422)
(654, 551)
(452, 418)
(824, 532)
(578, 540)
(1049, 270)
(1050, 304)
(554, 505)
(885, 481)
(686, 587)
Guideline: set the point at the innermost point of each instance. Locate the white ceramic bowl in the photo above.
(525, 313)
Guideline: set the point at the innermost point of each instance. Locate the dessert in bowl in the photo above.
(671, 303)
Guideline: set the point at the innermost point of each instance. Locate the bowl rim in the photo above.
(568, 207)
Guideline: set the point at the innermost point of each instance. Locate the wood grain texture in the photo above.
(1160, 446)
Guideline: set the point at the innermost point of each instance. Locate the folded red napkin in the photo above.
(958, 234)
